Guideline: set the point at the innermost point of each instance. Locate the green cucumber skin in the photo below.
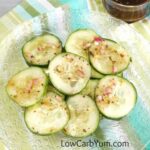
(119, 72)
(36, 133)
(82, 136)
(67, 95)
(95, 74)
(116, 43)
(89, 133)
(59, 89)
(31, 65)
(33, 38)
(45, 69)
(45, 90)
(63, 50)
(84, 29)
(120, 75)
(64, 99)
(98, 78)
(53, 89)
(110, 40)
(111, 73)
(136, 96)
(90, 59)
(95, 80)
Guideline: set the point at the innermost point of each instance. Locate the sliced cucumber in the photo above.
(69, 73)
(95, 74)
(120, 74)
(48, 116)
(90, 88)
(28, 86)
(108, 57)
(80, 41)
(40, 50)
(45, 69)
(110, 40)
(115, 96)
(84, 116)
(53, 89)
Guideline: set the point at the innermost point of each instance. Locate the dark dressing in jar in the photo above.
(127, 10)
(130, 2)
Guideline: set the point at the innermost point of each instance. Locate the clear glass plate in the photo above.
(134, 128)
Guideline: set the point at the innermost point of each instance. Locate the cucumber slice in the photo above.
(115, 96)
(80, 41)
(69, 73)
(84, 116)
(89, 90)
(45, 70)
(120, 74)
(28, 86)
(53, 89)
(110, 40)
(48, 116)
(95, 74)
(108, 57)
(40, 50)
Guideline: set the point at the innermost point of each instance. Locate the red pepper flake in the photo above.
(98, 39)
(107, 91)
(80, 73)
(113, 83)
(58, 98)
(114, 69)
(35, 82)
(40, 49)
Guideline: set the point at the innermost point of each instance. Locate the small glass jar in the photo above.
(128, 13)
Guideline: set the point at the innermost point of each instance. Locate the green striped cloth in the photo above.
(137, 132)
